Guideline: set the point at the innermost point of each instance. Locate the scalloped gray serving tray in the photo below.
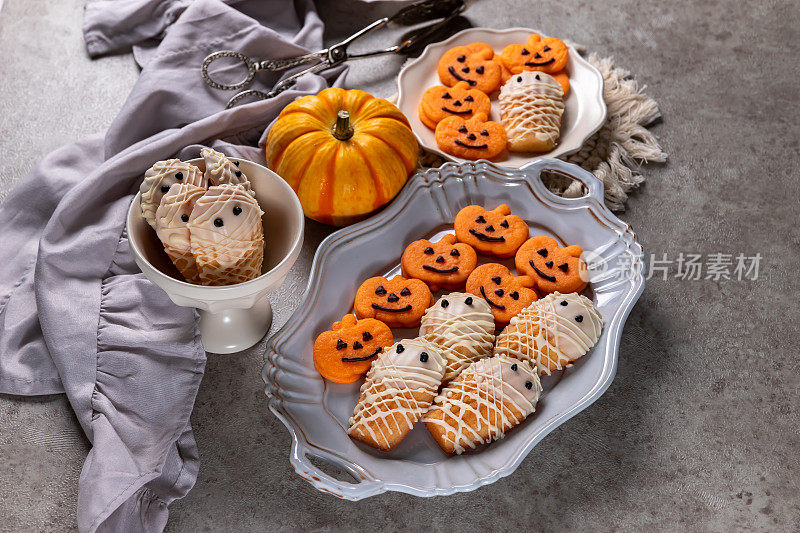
(316, 412)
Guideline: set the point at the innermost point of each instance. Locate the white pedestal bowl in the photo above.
(232, 317)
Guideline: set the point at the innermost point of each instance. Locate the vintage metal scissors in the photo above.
(336, 54)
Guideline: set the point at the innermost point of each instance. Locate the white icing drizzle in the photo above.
(464, 333)
(487, 399)
(164, 174)
(221, 170)
(178, 201)
(549, 334)
(398, 389)
(531, 105)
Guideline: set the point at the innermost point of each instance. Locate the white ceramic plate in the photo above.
(584, 109)
(316, 412)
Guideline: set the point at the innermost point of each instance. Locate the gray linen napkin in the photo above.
(76, 315)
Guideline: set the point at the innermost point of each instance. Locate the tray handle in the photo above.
(364, 484)
(594, 187)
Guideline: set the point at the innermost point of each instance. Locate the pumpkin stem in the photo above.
(342, 130)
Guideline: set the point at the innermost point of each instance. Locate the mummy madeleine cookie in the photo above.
(159, 178)
(399, 389)
(494, 232)
(462, 326)
(398, 302)
(552, 333)
(552, 267)
(444, 263)
(531, 105)
(171, 226)
(220, 170)
(345, 353)
(226, 236)
(487, 399)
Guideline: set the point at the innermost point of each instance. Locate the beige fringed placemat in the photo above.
(616, 152)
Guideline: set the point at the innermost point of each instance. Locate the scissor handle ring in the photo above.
(249, 63)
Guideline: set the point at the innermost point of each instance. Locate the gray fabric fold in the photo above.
(76, 314)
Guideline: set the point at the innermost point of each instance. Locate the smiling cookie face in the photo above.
(398, 302)
(553, 268)
(460, 100)
(473, 64)
(475, 138)
(345, 353)
(505, 293)
(496, 233)
(443, 264)
(546, 54)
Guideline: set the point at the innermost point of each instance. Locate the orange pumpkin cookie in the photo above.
(398, 302)
(547, 54)
(345, 353)
(506, 293)
(442, 264)
(475, 138)
(474, 64)
(497, 232)
(459, 100)
(552, 268)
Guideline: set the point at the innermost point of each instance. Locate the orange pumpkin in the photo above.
(345, 153)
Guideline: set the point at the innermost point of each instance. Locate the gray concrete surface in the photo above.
(700, 429)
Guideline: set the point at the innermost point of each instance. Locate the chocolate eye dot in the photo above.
(423, 357)
(185, 217)
(165, 188)
(429, 250)
(542, 252)
(405, 292)
(454, 252)
(179, 176)
(446, 96)
(445, 303)
(546, 48)
(514, 367)
(465, 70)
(366, 336)
(461, 59)
(238, 173)
(499, 292)
(462, 129)
(538, 78)
(236, 163)
(480, 220)
(468, 301)
(471, 137)
(357, 345)
(563, 267)
(237, 210)
(504, 223)
(497, 280)
(485, 133)
(457, 103)
(400, 348)
(579, 318)
(529, 385)
(469, 99)
(341, 345)
(218, 222)
(519, 78)
(514, 295)
(440, 259)
(479, 70)
(524, 52)
(564, 303)
(380, 291)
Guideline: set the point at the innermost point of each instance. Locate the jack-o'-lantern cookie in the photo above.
(552, 268)
(397, 302)
(546, 54)
(505, 293)
(442, 264)
(474, 64)
(497, 232)
(345, 353)
(459, 100)
(474, 138)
